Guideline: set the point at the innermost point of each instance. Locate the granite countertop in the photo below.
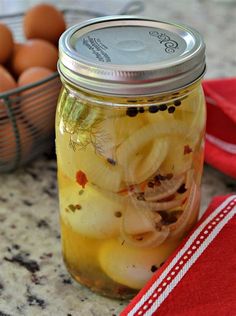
(33, 279)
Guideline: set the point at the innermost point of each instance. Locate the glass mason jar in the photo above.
(129, 140)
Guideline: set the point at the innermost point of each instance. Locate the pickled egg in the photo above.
(132, 266)
(6, 43)
(92, 214)
(44, 21)
(7, 82)
(38, 103)
(34, 53)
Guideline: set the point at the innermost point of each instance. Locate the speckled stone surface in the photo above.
(33, 279)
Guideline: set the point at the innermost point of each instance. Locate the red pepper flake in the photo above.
(126, 190)
(123, 191)
(187, 150)
(81, 178)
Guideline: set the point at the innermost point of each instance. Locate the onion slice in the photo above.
(164, 190)
(190, 211)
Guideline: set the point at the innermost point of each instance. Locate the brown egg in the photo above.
(34, 53)
(44, 21)
(16, 47)
(38, 104)
(8, 65)
(8, 147)
(6, 83)
(6, 43)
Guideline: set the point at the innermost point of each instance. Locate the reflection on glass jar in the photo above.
(129, 172)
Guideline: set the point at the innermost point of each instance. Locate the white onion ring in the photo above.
(167, 188)
(143, 167)
(161, 206)
(129, 152)
(190, 210)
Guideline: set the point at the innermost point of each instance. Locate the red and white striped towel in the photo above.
(199, 279)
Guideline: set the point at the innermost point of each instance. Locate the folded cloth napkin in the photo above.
(199, 279)
(220, 149)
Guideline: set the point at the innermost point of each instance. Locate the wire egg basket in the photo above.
(27, 113)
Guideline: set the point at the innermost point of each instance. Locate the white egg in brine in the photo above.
(89, 212)
(132, 266)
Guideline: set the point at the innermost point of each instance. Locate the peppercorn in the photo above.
(154, 268)
(140, 196)
(132, 111)
(118, 214)
(182, 189)
(157, 183)
(162, 107)
(159, 177)
(153, 109)
(111, 161)
(150, 184)
(177, 102)
(170, 217)
(171, 109)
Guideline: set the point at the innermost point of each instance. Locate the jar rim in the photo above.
(175, 55)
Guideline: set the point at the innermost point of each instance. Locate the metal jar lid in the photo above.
(129, 55)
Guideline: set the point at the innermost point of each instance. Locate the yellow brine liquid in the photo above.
(129, 173)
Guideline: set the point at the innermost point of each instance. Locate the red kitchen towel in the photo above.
(199, 279)
(220, 149)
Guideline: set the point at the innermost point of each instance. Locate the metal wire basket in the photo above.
(24, 137)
